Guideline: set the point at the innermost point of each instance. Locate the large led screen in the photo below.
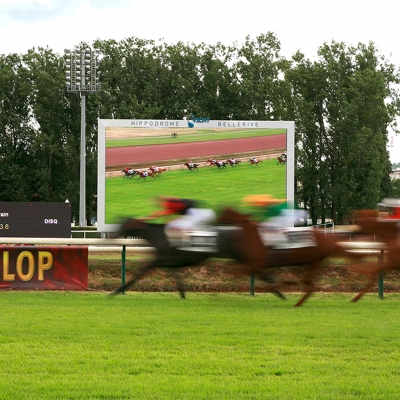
(127, 148)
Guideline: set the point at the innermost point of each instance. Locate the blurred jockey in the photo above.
(396, 213)
(280, 215)
(394, 204)
(190, 217)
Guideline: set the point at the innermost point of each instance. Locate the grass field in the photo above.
(63, 345)
(191, 136)
(212, 187)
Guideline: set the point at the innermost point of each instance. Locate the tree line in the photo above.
(343, 103)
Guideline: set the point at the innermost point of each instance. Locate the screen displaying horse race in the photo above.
(216, 163)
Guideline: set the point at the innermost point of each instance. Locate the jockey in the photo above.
(190, 217)
(280, 215)
(283, 155)
(190, 164)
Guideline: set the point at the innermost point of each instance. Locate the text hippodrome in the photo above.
(177, 124)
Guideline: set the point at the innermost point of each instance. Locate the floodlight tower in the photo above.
(82, 76)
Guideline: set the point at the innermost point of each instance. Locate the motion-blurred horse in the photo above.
(145, 174)
(211, 162)
(233, 162)
(228, 242)
(387, 231)
(129, 172)
(254, 161)
(281, 160)
(191, 166)
(221, 164)
(309, 254)
(157, 170)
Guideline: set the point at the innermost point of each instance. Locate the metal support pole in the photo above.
(380, 286)
(123, 266)
(252, 285)
(380, 279)
(82, 190)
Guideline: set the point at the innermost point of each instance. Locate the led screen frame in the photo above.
(176, 127)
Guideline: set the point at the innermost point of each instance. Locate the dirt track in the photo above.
(160, 153)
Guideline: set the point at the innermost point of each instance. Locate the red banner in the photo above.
(44, 267)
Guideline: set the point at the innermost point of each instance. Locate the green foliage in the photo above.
(343, 105)
(222, 346)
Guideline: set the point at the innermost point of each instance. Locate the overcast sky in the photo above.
(298, 24)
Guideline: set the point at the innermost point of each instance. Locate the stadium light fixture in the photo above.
(82, 77)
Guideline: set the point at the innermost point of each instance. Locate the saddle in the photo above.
(287, 238)
(205, 239)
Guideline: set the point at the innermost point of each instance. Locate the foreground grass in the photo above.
(156, 346)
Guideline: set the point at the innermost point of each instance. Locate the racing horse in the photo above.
(233, 243)
(191, 166)
(157, 170)
(233, 162)
(254, 161)
(129, 172)
(387, 231)
(145, 174)
(281, 160)
(221, 164)
(310, 255)
(211, 162)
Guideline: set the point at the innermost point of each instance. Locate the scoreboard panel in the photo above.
(36, 220)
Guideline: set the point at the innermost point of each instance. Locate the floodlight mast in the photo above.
(82, 76)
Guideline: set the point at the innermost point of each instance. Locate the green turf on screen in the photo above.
(214, 188)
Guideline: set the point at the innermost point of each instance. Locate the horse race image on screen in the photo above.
(217, 163)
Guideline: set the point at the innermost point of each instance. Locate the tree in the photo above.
(344, 104)
(259, 69)
(16, 131)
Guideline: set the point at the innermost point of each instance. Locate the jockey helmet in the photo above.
(173, 205)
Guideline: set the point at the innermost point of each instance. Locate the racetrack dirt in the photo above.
(162, 154)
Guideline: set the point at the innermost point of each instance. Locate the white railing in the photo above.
(131, 245)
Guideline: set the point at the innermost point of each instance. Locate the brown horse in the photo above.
(281, 160)
(310, 257)
(254, 161)
(233, 162)
(157, 170)
(145, 174)
(211, 162)
(387, 231)
(233, 243)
